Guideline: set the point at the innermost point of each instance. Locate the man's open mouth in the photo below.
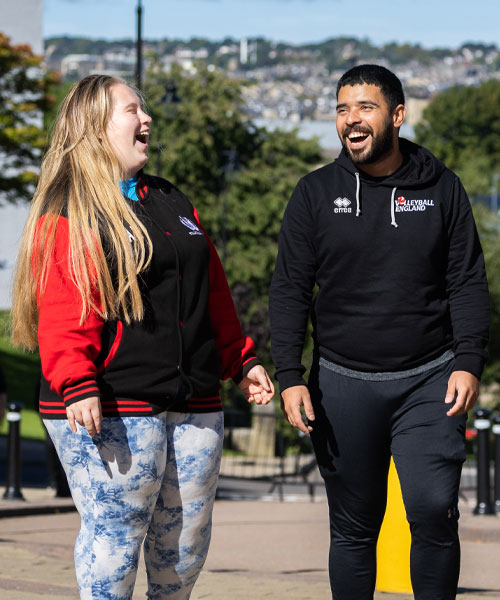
(356, 138)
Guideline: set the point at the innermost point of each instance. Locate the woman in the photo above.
(127, 300)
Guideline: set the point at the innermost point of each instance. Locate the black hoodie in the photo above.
(398, 266)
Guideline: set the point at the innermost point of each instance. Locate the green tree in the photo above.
(461, 126)
(23, 99)
(56, 93)
(237, 175)
(488, 224)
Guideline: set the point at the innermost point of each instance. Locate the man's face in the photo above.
(364, 124)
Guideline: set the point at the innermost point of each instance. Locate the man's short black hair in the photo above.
(389, 84)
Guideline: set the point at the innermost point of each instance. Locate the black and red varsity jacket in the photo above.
(190, 337)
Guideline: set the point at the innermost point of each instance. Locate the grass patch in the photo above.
(22, 375)
(31, 425)
(231, 452)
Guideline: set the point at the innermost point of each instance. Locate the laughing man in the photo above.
(400, 319)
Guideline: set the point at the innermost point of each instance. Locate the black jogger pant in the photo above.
(358, 425)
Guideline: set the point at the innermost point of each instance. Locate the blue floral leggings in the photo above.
(142, 479)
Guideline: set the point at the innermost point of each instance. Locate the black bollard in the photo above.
(496, 432)
(13, 489)
(482, 425)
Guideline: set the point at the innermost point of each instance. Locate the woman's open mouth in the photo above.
(142, 137)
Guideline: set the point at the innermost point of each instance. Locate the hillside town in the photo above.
(283, 81)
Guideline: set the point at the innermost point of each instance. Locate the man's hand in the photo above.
(463, 387)
(257, 386)
(86, 413)
(291, 401)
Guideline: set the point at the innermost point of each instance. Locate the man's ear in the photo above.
(398, 115)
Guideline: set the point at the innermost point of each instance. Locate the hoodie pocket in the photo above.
(114, 347)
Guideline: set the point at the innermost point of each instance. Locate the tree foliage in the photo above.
(461, 126)
(22, 100)
(56, 92)
(237, 175)
(488, 224)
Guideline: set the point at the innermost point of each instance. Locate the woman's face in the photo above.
(128, 130)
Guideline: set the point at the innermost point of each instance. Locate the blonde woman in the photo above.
(123, 293)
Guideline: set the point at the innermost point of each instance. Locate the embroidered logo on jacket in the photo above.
(195, 230)
(342, 205)
(404, 205)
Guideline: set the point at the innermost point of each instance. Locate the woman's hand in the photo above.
(257, 386)
(86, 413)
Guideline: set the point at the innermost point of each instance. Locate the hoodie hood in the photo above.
(420, 169)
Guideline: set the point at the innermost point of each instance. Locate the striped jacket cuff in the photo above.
(85, 389)
(248, 363)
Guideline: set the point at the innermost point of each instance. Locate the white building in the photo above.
(80, 65)
(22, 22)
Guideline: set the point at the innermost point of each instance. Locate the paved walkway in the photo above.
(259, 550)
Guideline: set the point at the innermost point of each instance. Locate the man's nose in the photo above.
(353, 117)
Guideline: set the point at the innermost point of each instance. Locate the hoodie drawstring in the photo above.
(358, 204)
(393, 211)
(358, 186)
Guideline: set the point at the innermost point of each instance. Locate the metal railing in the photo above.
(266, 449)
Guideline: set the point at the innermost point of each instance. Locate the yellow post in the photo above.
(393, 549)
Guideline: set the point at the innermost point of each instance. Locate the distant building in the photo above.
(77, 66)
(22, 22)
(415, 108)
(244, 51)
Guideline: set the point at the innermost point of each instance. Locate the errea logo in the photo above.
(342, 205)
(404, 205)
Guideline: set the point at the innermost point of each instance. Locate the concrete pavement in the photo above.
(259, 550)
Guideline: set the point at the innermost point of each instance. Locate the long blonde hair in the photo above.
(79, 179)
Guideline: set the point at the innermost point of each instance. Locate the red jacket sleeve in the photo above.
(236, 351)
(68, 349)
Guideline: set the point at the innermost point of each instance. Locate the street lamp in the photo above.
(170, 102)
(229, 167)
(138, 66)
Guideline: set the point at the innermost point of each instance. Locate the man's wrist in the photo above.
(290, 381)
(472, 363)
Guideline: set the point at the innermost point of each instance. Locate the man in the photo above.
(400, 321)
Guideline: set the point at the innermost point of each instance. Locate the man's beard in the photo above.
(381, 146)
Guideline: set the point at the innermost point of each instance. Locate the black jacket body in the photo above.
(189, 339)
(398, 266)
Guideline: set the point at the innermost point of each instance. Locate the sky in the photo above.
(431, 23)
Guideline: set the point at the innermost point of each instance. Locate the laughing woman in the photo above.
(123, 292)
